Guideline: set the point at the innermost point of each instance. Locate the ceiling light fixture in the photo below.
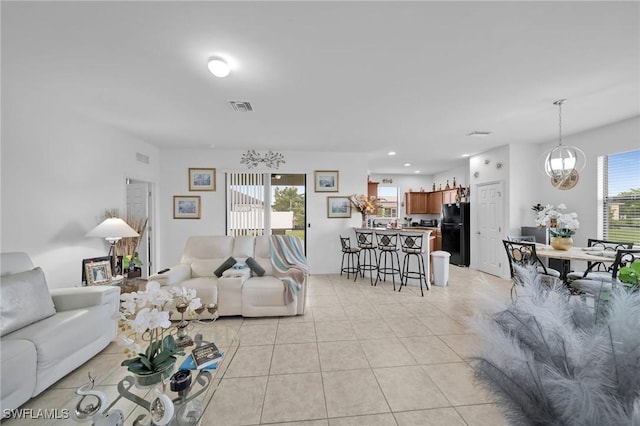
(391, 153)
(466, 155)
(407, 164)
(562, 161)
(219, 67)
(417, 171)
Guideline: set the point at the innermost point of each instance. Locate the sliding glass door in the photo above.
(266, 203)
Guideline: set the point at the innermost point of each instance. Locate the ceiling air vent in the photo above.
(478, 134)
(241, 106)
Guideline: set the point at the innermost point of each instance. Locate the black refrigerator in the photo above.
(456, 236)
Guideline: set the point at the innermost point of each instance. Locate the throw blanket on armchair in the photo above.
(289, 263)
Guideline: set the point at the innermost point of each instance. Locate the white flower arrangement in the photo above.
(560, 224)
(145, 313)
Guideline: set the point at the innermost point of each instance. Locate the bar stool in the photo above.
(388, 247)
(369, 261)
(352, 256)
(412, 247)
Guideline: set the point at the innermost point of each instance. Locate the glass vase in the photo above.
(562, 243)
(364, 219)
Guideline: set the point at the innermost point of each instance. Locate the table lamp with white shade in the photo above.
(113, 229)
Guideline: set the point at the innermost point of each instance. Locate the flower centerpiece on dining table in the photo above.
(364, 205)
(144, 317)
(562, 226)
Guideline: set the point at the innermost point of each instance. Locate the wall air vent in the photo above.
(142, 158)
(241, 106)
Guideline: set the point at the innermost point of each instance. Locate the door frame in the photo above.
(150, 232)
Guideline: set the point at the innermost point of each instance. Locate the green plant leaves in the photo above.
(630, 274)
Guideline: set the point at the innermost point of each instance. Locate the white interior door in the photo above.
(139, 206)
(490, 208)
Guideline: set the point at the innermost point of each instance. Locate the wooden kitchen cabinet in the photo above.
(434, 202)
(372, 189)
(416, 202)
(449, 196)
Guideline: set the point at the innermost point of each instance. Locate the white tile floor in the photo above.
(361, 355)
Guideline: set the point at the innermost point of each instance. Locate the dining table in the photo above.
(585, 254)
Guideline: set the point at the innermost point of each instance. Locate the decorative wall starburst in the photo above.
(270, 159)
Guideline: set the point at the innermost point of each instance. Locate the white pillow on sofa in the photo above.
(24, 299)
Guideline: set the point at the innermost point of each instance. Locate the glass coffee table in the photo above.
(128, 404)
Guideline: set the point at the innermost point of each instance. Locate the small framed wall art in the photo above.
(338, 207)
(202, 179)
(186, 207)
(326, 180)
(98, 272)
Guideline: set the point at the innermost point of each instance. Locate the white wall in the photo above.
(525, 176)
(60, 172)
(323, 244)
(460, 173)
(582, 199)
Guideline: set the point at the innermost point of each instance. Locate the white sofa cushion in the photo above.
(205, 267)
(206, 288)
(207, 247)
(243, 247)
(24, 299)
(263, 291)
(18, 372)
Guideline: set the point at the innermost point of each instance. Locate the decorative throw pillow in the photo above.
(24, 299)
(254, 266)
(225, 265)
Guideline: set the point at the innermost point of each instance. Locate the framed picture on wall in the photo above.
(338, 207)
(186, 207)
(98, 272)
(326, 180)
(202, 179)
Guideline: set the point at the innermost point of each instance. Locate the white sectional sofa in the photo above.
(46, 334)
(237, 291)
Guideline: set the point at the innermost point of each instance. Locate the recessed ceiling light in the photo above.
(417, 171)
(479, 134)
(407, 164)
(466, 155)
(391, 153)
(219, 67)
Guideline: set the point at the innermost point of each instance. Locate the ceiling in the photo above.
(367, 77)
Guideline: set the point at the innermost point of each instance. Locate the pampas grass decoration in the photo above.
(549, 362)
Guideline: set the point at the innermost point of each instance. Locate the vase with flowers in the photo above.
(562, 226)
(364, 205)
(144, 317)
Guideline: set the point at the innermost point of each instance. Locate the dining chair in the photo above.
(599, 289)
(524, 253)
(599, 270)
(522, 238)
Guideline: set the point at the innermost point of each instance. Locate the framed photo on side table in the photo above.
(98, 273)
(202, 179)
(326, 180)
(338, 207)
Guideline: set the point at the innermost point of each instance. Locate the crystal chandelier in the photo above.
(270, 159)
(562, 162)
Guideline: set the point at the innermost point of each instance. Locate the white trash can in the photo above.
(440, 261)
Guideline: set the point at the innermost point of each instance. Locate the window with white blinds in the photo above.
(247, 197)
(619, 196)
